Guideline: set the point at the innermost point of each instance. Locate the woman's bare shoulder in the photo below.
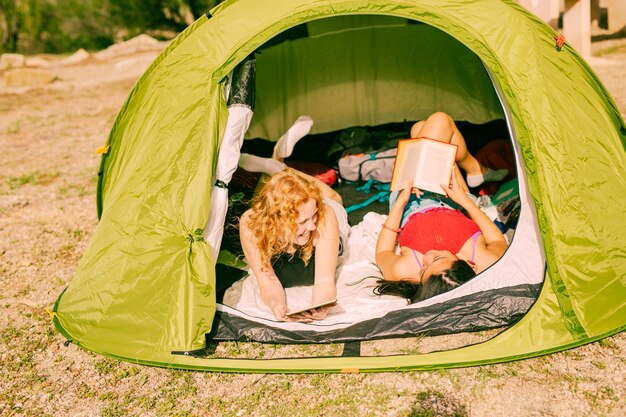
(328, 210)
(485, 257)
(405, 250)
(330, 218)
(245, 216)
(403, 266)
(244, 222)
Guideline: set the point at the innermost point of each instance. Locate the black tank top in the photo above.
(292, 272)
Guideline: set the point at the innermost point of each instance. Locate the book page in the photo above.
(310, 308)
(407, 161)
(411, 162)
(435, 167)
(428, 162)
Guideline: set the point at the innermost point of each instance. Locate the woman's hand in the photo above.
(313, 314)
(280, 311)
(405, 194)
(454, 190)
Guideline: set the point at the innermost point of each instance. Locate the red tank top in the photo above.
(439, 228)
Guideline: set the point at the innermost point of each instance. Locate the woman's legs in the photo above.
(283, 149)
(440, 126)
(285, 144)
(253, 163)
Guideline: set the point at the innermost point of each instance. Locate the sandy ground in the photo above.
(47, 215)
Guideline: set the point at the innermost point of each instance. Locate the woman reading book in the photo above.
(293, 233)
(440, 248)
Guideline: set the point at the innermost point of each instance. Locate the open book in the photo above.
(311, 308)
(428, 162)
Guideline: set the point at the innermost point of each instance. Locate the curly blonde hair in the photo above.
(274, 214)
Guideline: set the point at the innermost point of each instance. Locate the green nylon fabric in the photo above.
(369, 77)
(144, 287)
(145, 280)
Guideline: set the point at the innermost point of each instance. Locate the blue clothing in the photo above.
(427, 201)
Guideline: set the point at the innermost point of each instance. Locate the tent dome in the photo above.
(145, 285)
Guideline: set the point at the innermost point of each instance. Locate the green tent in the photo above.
(145, 285)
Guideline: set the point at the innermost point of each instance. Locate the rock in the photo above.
(140, 43)
(134, 65)
(28, 77)
(36, 62)
(77, 57)
(11, 61)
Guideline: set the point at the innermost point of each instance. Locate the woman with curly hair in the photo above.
(293, 234)
(440, 247)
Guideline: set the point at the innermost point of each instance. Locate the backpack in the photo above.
(368, 166)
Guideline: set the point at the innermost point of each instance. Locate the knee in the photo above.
(441, 118)
(415, 129)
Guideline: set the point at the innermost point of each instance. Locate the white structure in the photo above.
(576, 19)
(577, 25)
(578, 15)
(546, 10)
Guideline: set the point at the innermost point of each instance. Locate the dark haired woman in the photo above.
(440, 247)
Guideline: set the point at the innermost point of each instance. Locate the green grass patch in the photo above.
(113, 409)
(433, 403)
(79, 190)
(284, 396)
(10, 334)
(34, 178)
(599, 364)
(107, 366)
(608, 343)
(616, 49)
(84, 391)
(14, 128)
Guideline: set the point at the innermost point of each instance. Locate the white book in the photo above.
(427, 161)
(310, 309)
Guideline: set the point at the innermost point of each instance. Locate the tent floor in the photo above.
(350, 196)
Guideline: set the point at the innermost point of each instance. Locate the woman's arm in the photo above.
(494, 239)
(391, 265)
(272, 292)
(326, 254)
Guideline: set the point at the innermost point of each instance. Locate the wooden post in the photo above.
(577, 25)
(595, 13)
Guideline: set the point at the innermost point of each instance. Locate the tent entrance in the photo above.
(380, 75)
